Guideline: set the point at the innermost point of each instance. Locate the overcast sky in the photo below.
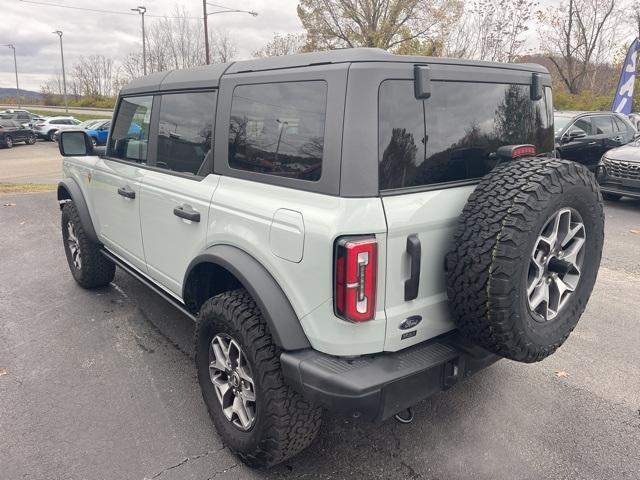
(29, 26)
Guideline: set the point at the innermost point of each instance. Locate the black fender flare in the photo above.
(281, 319)
(72, 189)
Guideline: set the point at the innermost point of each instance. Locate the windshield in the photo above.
(88, 124)
(560, 121)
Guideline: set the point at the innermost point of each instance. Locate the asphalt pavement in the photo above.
(101, 385)
(38, 163)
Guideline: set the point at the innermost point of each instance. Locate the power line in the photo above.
(96, 10)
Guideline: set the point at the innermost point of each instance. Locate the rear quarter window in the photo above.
(278, 129)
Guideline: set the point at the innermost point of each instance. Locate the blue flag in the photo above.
(623, 100)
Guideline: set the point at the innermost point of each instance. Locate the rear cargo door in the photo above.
(431, 154)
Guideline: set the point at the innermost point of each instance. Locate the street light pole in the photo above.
(64, 77)
(206, 31)
(15, 66)
(205, 16)
(142, 10)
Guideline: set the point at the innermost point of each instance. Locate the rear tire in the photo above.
(283, 423)
(8, 141)
(52, 136)
(31, 139)
(531, 226)
(90, 269)
(611, 197)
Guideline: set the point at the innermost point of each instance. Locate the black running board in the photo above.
(149, 283)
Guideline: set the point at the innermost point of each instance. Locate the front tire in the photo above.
(8, 141)
(31, 139)
(90, 269)
(269, 422)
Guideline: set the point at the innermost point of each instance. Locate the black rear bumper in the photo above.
(376, 387)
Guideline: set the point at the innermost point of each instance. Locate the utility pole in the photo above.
(15, 66)
(206, 31)
(205, 16)
(142, 10)
(64, 77)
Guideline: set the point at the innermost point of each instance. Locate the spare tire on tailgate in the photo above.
(525, 257)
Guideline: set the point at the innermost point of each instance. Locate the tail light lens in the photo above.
(356, 269)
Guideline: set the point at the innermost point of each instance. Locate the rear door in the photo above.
(178, 186)
(431, 154)
(607, 136)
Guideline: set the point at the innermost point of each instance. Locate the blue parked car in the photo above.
(99, 132)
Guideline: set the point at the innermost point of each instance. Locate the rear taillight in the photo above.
(356, 268)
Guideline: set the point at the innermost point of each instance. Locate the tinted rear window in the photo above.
(452, 135)
(278, 129)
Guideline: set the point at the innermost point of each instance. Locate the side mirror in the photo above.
(74, 143)
(573, 135)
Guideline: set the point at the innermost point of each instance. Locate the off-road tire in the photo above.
(611, 197)
(488, 264)
(96, 270)
(285, 423)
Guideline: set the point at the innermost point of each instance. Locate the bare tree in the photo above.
(384, 24)
(282, 45)
(223, 47)
(577, 36)
(94, 76)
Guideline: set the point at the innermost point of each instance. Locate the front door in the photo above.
(579, 143)
(115, 181)
(177, 189)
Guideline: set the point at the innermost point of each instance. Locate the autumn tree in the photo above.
(282, 45)
(578, 36)
(386, 24)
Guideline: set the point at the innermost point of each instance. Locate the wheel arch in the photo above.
(224, 267)
(68, 190)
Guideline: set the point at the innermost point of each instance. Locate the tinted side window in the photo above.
(603, 125)
(465, 125)
(130, 134)
(582, 125)
(278, 129)
(185, 132)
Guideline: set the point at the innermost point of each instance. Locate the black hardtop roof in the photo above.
(208, 76)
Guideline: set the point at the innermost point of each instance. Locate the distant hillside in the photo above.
(11, 92)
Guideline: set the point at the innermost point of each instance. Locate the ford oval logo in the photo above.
(410, 322)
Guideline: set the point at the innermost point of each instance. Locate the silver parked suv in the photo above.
(350, 230)
(48, 128)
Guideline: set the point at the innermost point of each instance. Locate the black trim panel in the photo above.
(282, 320)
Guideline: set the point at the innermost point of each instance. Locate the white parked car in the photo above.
(51, 125)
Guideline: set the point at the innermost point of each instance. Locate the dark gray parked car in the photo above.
(11, 132)
(619, 173)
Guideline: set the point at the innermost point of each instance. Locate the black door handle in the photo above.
(187, 212)
(414, 250)
(127, 192)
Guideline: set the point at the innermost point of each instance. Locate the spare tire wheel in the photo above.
(525, 257)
